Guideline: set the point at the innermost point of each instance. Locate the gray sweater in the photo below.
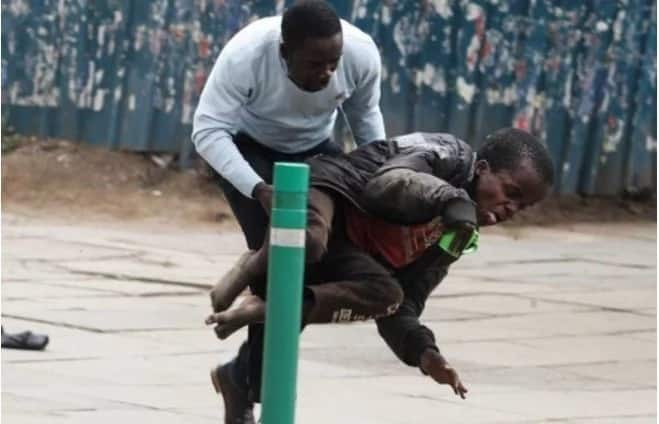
(249, 90)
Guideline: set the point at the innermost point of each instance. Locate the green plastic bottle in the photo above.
(455, 246)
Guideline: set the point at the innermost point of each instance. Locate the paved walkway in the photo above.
(544, 325)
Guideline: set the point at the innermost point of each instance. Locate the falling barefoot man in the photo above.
(375, 216)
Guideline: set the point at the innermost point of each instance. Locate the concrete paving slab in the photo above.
(113, 416)
(145, 370)
(618, 299)
(36, 401)
(18, 271)
(642, 374)
(556, 324)
(392, 399)
(84, 287)
(628, 419)
(597, 281)
(153, 396)
(568, 403)
(649, 335)
(112, 313)
(589, 349)
(548, 270)
(554, 351)
(140, 236)
(114, 287)
(13, 290)
(456, 284)
(136, 270)
(558, 378)
(118, 320)
(22, 248)
(499, 304)
(535, 338)
(72, 344)
(201, 339)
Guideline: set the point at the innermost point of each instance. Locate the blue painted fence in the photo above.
(127, 74)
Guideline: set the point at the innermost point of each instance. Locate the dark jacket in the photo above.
(405, 180)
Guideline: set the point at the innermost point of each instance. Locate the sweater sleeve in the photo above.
(214, 123)
(362, 108)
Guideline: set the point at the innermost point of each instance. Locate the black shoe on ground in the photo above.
(237, 407)
(26, 340)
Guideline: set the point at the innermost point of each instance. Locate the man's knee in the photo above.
(319, 224)
(316, 244)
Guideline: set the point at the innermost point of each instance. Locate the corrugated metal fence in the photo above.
(581, 74)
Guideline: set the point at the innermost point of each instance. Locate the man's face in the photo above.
(499, 195)
(311, 64)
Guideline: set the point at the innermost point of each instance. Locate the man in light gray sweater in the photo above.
(273, 95)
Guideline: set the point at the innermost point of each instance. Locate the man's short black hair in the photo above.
(507, 147)
(309, 19)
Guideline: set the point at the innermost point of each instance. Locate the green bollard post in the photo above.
(288, 221)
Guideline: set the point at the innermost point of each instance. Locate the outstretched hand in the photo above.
(433, 364)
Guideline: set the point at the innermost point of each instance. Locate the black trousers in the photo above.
(253, 220)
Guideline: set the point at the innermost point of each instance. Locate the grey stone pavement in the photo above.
(543, 324)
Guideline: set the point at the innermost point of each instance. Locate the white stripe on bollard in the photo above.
(287, 237)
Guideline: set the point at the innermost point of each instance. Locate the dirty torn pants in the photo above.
(254, 221)
(345, 285)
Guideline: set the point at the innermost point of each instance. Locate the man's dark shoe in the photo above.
(237, 407)
(26, 340)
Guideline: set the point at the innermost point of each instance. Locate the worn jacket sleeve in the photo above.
(409, 190)
(402, 331)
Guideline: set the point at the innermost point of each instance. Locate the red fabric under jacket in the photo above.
(399, 245)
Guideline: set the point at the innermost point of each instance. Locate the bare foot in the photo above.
(230, 285)
(250, 311)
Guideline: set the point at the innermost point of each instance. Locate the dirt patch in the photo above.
(69, 181)
(567, 209)
(73, 182)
